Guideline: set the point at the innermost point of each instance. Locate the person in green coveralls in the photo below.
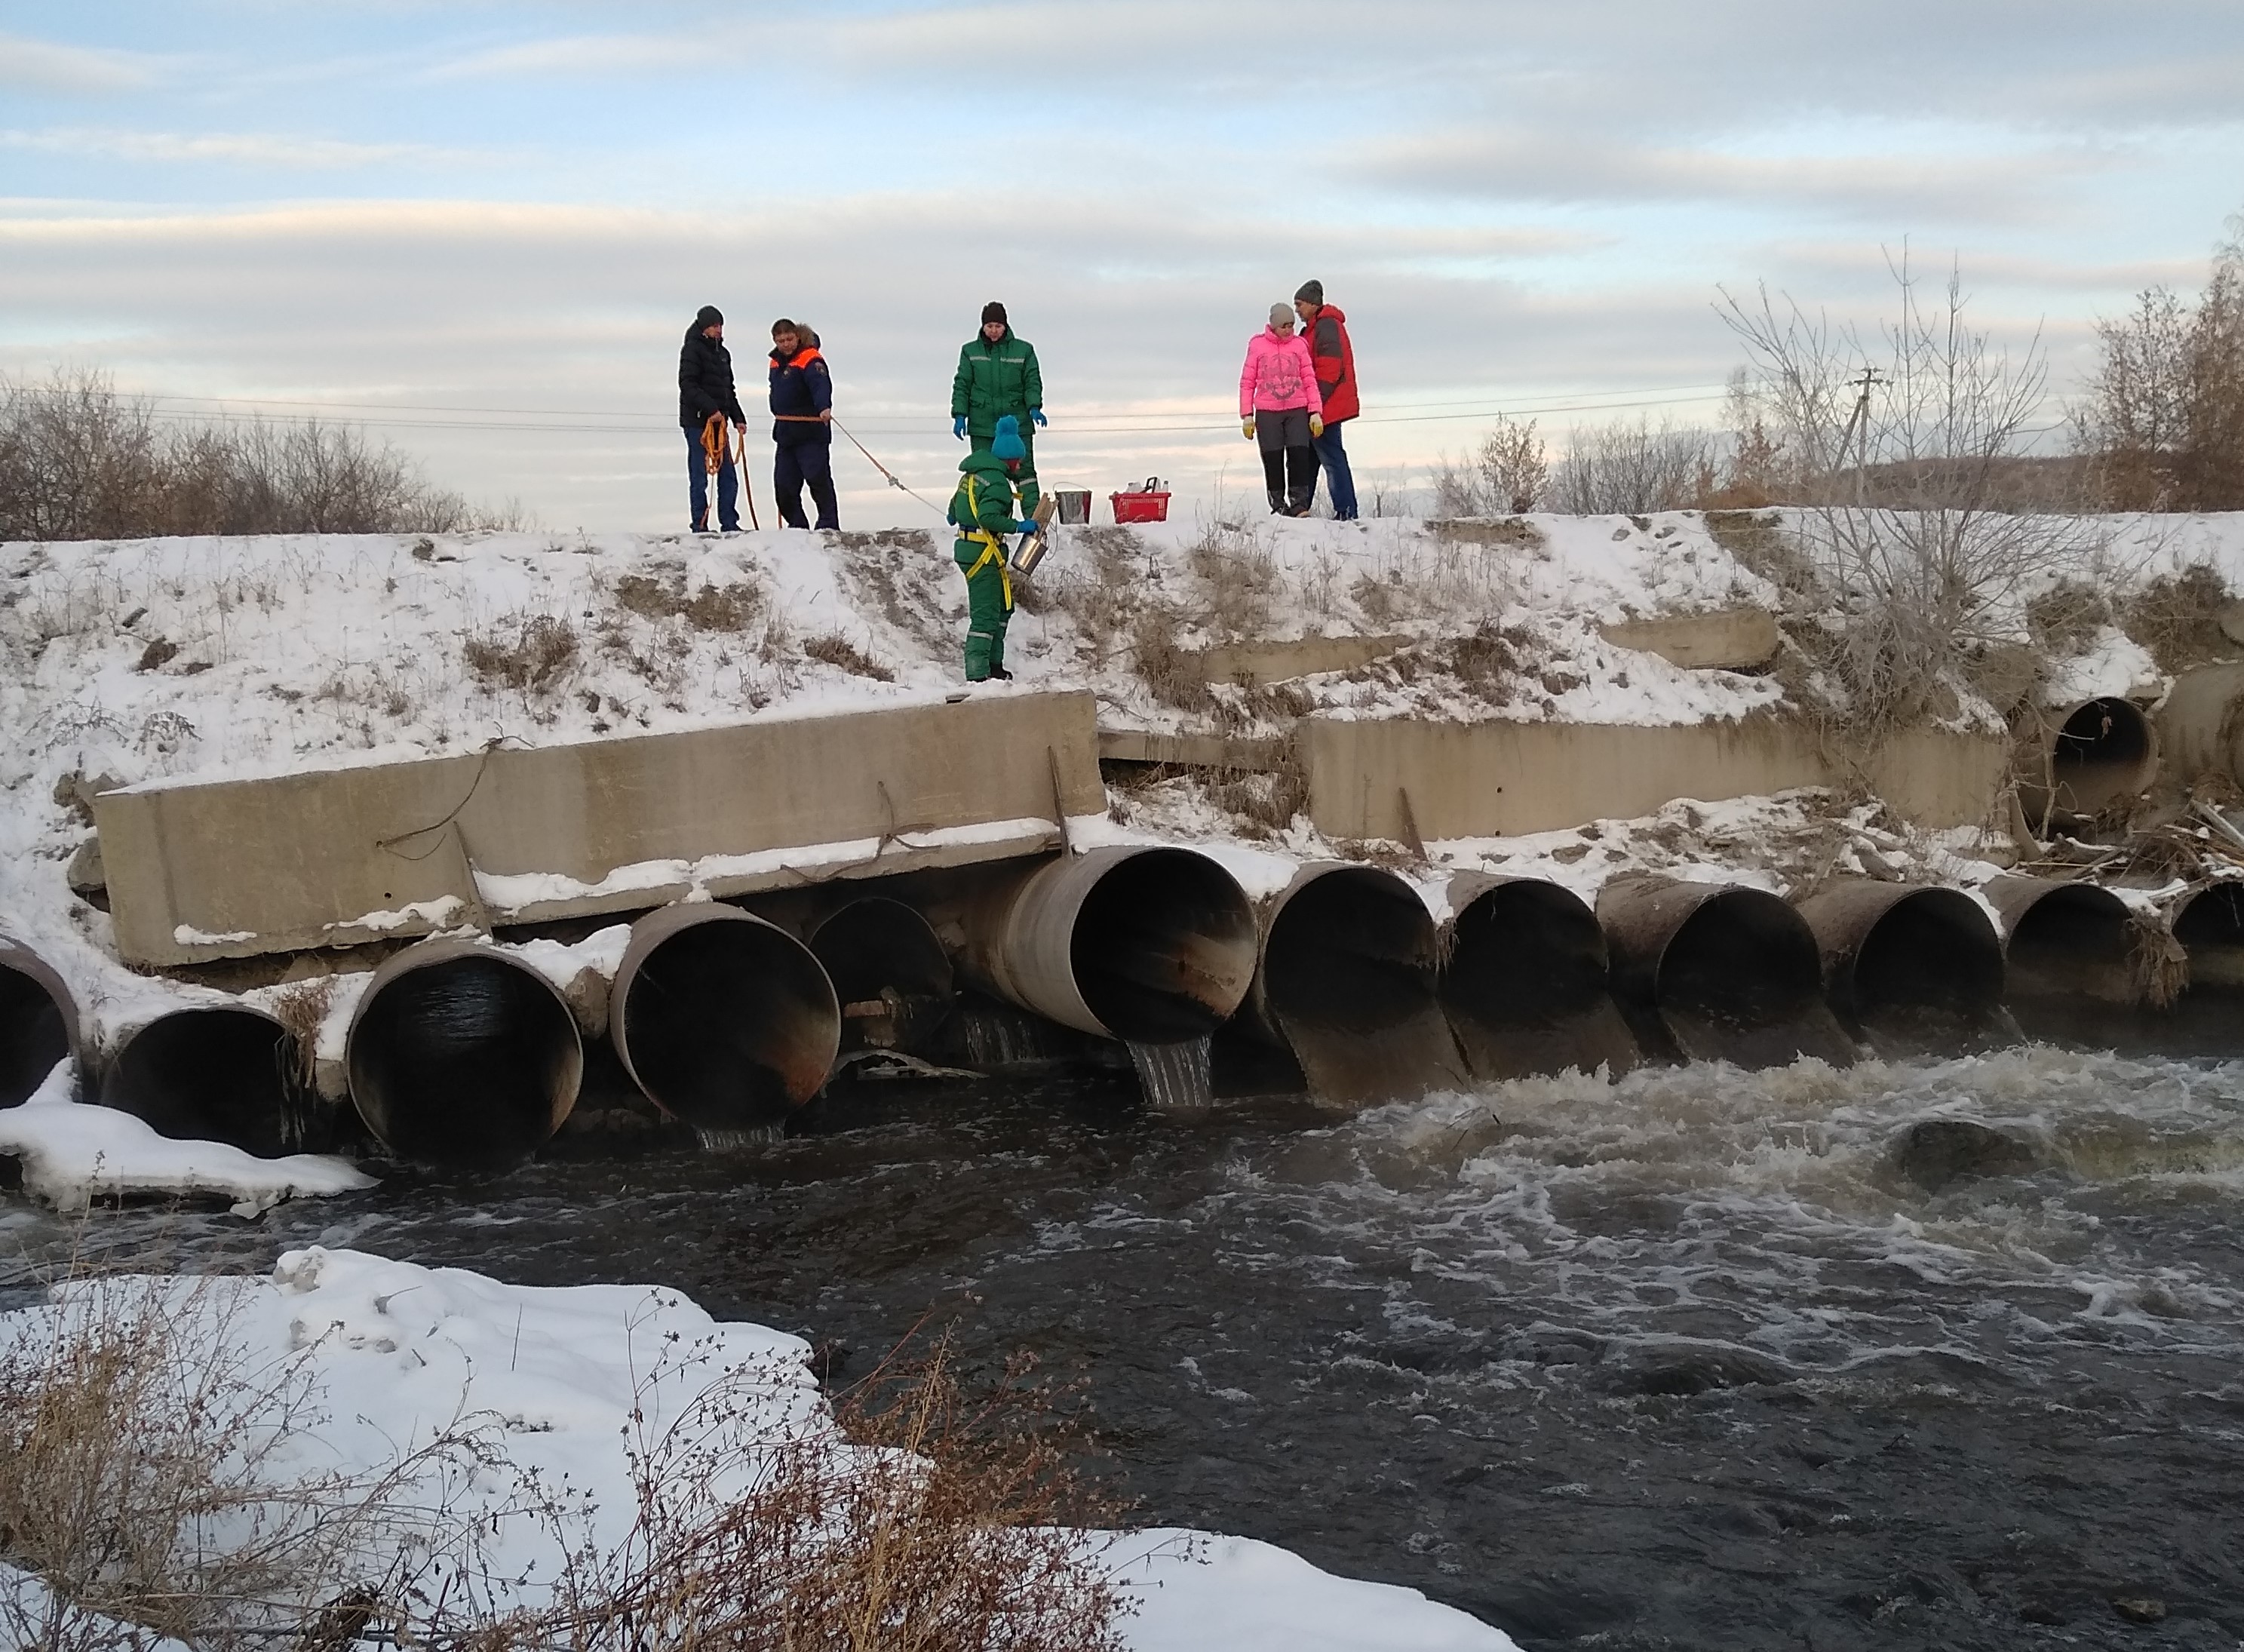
(998, 375)
(983, 512)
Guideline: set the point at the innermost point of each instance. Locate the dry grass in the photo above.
(1264, 802)
(2177, 617)
(1235, 579)
(732, 607)
(529, 653)
(1504, 531)
(1169, 672)
(833, 649)
(300, 1009)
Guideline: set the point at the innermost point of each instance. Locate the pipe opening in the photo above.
(727, 1022)
(2207, 1017)
(1930, 973)
(1353, 951)
(1525, 985)
(2104, 752)
(464, 1059)
(890, 973)
(1163, 947)
(1743, 960)
(2073, 942)
(215, 1074)
(35, 1033)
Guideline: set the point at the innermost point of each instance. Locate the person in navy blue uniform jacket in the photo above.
(802, 427)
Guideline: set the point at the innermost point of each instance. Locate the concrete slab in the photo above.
(1192, 751)
(1733, 639)
(334, 858)
(1254, 664)
(1384, 779)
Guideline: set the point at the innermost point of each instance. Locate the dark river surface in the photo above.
(1689, 1361)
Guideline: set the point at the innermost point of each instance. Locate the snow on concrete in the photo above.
(73, 1153)
(564, 1381)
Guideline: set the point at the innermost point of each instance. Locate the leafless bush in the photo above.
(147, 1478)
(528, 653)
(2163, 421)
(1509, 472)
(79, 460)
(1900, 444)
(1237, 576)
(2177, 617)
(833, 649)
(1630, 468)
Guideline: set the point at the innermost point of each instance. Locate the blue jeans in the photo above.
(811, 463)
(1340, 483)
(728, 488)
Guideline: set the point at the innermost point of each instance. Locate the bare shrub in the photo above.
(1236, 577)
(2177, 617)
(1632, 468)
(833, 649)
(1170, 673)
(1509, 472)
(79, 461)
(529, 653)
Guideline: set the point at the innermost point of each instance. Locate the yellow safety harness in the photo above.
(992, 550)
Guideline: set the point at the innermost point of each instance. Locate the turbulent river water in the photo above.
(1706, 1358)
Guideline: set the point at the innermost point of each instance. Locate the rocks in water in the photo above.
(2139, 1608)
(1934, 1151)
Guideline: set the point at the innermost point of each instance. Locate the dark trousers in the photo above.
(728, 488)
(1289, 463)
(1339, 481)
(812, 462)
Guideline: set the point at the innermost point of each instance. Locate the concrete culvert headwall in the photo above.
(1713, 972)
(2207, 1017)
(2070, 954)
(38, 1022)
(880, 952)
(462, 1056)
(1149, 946)
(1349, 982)
(2080, 761)
(221, 1072)
(1524, 981)
(1911, 972)
(727, 1022)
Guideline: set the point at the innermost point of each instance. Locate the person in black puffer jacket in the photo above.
(802, 424)
(704, 392)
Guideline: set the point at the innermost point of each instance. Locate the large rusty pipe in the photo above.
(727, 1022)
(1524, 980)
(1348, 983)
(214, 1072)
(1910, 970)
(2070, 952)
(879, 951)
(1149, 945)
(1716, 971)
(2077, 762)
(38, 1022)
(462, 1056)
(2208, 1017)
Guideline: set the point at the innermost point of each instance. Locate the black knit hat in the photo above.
(993, 311)
(708, 316)
(1311, 293)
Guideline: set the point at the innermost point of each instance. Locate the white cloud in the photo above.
(246, 149)
(42, 65)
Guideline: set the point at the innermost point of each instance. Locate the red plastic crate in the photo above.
(1140, 507)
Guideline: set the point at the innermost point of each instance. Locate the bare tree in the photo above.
(1902, 445)
(1509, 472)
(1629, 468)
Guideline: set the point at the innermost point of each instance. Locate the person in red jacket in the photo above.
(1325, 329)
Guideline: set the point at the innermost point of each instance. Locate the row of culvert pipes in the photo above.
(460, 1054)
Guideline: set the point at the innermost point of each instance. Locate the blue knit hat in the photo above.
(1008, 445)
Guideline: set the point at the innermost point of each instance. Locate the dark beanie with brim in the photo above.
(1311, 293)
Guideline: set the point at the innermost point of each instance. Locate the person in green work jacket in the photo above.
(983, 509)
(998, 375)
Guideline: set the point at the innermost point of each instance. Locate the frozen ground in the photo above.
(564, 1383)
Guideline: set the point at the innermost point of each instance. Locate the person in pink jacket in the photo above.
(1280, 410)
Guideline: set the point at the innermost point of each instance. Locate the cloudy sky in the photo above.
(482, 226)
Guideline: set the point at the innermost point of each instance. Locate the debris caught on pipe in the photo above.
(2080, 761)
(889, 971)
(1524, 980)
(38, 1022)
(215, 1072)
(1348, 983)
(2070, 955)
(1910, 970)
(1718, 973)
(727, 1022)
(462, 1056)
(2207, 1017)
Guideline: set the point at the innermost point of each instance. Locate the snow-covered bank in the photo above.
(562, 1384)
(73, 1153)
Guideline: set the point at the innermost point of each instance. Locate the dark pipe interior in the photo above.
(875, 944)
(1744, 960)
(730, 1026)
(1163, 945)
(464, 1061)
(2097, 754)
(33, 1036)
(1525, 953)
(2073, 942)
(213, 1076)
(2210, 929)
(1353, 951)
(1931, 953)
